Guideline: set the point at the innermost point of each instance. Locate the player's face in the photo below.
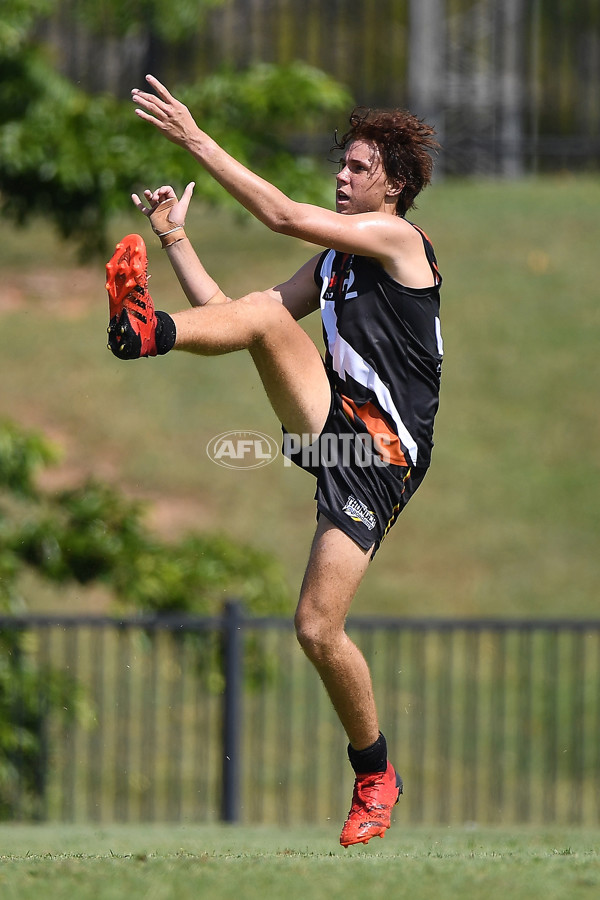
(362, 185)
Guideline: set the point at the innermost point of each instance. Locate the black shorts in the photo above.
(357, 491)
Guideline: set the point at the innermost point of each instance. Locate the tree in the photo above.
(91, 533)
(75, 158)
(26, 691)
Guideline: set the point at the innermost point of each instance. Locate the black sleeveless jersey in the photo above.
(383, 350)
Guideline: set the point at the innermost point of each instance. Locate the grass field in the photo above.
(162, 863)
(506, 522)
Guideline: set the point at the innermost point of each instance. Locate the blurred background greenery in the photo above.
(506, 522)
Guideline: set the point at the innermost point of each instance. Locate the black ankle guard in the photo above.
(371, 759)
(166, 332)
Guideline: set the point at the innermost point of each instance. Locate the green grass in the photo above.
(160, 863)
(506, 522)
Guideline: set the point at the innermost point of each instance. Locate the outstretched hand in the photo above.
(177, 212)
(171, 117)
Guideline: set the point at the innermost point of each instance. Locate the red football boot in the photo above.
(132, 326)
(372, 801)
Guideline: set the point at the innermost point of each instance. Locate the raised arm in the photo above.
(372, 233)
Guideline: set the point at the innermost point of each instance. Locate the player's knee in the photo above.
(310, 639)
(268, 315)
(314, 634)
(262, 305)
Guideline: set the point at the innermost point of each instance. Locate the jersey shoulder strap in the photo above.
(319, 268)
(429, 253)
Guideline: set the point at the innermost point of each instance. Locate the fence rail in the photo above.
(155, 719)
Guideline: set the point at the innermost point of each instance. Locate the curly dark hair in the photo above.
(405, 143)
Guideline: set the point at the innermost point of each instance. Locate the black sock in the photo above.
(371, 759)
(165, 332)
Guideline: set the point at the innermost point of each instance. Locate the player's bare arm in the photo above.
(298, 294)
(364, 223)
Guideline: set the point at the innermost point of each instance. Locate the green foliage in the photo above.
(9, 570)
(81, 534)
(93, 533)
(27, 693)
(255, 114)
(121, 19)
(22, 455)
(18, 17)
(62, 154)
(76, 158)
(196, 574)
(26, 690)
(112, 17)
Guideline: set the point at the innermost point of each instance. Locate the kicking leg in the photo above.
(287, 360)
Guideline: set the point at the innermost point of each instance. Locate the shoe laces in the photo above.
(366, 791)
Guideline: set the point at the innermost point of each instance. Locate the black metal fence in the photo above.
(152, 719)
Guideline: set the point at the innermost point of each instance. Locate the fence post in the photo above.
(233, 659)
